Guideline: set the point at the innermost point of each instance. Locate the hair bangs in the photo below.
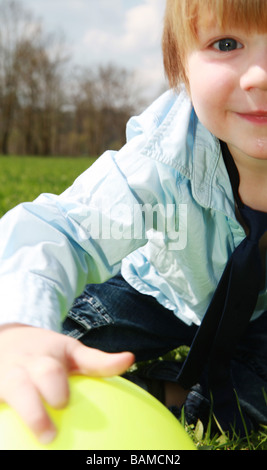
(249, 15)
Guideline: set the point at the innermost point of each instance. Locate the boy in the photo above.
(159, 219)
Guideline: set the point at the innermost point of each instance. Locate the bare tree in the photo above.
(14, 29)
(40, 95)
(30, 79)
(103, 102)
(44, 112)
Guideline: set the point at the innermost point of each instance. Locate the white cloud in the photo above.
(143, 25)
(140, 31)
(135, 43)
(122, 32)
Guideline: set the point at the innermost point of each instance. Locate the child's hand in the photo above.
(35, 364)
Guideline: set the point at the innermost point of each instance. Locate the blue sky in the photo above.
(123, 32)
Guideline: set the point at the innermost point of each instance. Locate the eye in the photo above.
(227, 45)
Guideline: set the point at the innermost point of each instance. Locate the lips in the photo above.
(257, 117)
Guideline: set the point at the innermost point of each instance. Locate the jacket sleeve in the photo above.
(52, 247)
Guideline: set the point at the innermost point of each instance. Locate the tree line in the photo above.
(48, 107)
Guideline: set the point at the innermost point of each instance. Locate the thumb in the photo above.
(89, 361)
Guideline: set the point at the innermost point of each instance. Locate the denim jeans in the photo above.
(115, 317)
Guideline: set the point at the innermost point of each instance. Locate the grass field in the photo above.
(23, 179)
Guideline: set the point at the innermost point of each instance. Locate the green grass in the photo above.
(204, 440)
(212, 438)
(23, 179)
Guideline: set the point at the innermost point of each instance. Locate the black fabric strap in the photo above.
(232, 172)
(229, 312)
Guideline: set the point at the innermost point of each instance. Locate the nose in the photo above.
(255, 74)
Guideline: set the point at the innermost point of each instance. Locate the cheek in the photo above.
(210, 109)
(210, 82)
(210, 95)
(206, 102)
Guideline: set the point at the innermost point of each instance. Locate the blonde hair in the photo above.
(182, 20)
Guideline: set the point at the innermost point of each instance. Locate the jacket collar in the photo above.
(181, 141)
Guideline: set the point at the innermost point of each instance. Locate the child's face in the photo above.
(227, 74)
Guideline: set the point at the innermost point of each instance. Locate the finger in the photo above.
(96, 363)
(28, 404)
(51, 379)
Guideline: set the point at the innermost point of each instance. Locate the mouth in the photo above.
(256, 117)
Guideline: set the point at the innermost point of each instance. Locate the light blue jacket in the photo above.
(161, 210)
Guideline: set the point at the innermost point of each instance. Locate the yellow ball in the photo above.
(103, 414)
